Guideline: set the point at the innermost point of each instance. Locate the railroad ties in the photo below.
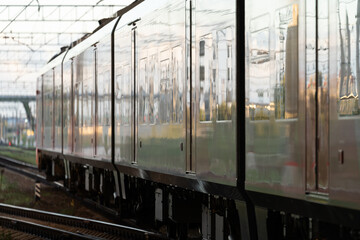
(58, 226)
(25, 223)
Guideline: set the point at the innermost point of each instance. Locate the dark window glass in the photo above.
(202, 48)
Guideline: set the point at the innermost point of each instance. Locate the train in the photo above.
(212, 119)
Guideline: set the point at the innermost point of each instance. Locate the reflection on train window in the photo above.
(286, 60)
(348, 58)
(104, 99)
(273, 79)
(67, 93)
(77, 104)
(88, 87)
(166, 89)
(202, 48)
(259, 68)
(118, 85)
(143, 92)
(67, 105)
(223, 85)
(57, 98)
(123, 96)
(206, 77)
(178, 81)
(48, 106)
(107, 98)
(154, 90)
(86, 105)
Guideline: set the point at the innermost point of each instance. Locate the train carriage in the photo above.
(233, 118)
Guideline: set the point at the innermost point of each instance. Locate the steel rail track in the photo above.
(116, 230)
(120, 231)
(19, 163)
(40, 230)
(28, 171)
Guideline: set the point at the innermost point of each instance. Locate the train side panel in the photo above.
(214, 146)
(57, 109)
(275, 101)
(160, 89)
(344, 122)
(39, 109)
(67, 107)
(78, 105)
(103, 116)
(124, 96)
(48, 108)
(84, 95)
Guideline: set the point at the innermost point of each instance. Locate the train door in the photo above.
(344, 113)
(214, 98)
(189, 87)
(123, 93)
(317, 96)
(158, 60)
(78, 93)
(134, 122)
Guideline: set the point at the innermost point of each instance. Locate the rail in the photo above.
(84, 226)
(115, 230)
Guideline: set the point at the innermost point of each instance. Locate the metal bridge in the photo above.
(25, 101)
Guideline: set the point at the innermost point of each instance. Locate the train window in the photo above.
(88, 85)
(123, 89)
(126, 96)
(107, 98)
(154, 90)
(100, 111)
(57, 99)
(100, 99)
(57, 96)
(166, 89)
(286, 63)
(104, 98)
(259, 68)
(77, 104)
(206, 77)
(86, 105)
(67, 106)
(273, 81)
(118, 94)
(143, 92)
(224, 68)
(178, 83)
(67, 93)
(348, 60)
(202, 73)
(202, 48)
(48, 106)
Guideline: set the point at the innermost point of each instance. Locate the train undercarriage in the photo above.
(186, 214)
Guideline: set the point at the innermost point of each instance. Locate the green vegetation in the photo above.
(10, 194)
(67, 211)
(5, 236)
(20, 154)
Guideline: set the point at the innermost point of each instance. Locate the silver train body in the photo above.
(256, 102)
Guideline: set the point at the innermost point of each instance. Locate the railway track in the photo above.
(58, 226)
(31, 171)
(24, 223)
(25, 169)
